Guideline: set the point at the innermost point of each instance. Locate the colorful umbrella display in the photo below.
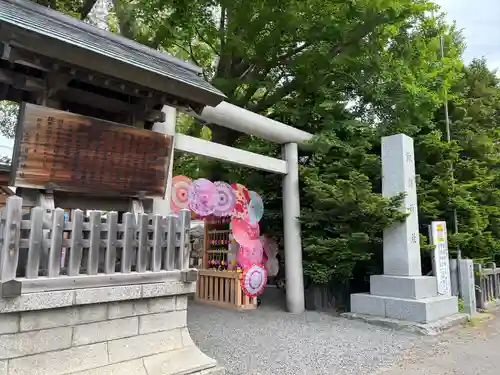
(255, 208)
(254, 280)
(244, 232)
(242, 199)
(179, 193)
(226, 199)
(249, 255)
(202, 197)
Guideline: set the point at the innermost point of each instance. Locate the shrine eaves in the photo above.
(52, 59)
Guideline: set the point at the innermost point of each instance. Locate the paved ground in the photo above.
(272, 342)
(469, 351)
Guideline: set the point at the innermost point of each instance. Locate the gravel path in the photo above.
(272, 342)
(470, 351)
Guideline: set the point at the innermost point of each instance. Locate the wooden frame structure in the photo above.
(219, 284)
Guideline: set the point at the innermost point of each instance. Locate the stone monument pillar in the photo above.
(402, 292)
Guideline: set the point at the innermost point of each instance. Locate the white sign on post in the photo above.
(439, 239)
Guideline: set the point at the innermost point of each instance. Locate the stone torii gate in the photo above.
(56, 61)
(244, 121)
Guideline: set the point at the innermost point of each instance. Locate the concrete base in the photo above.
(412, 287)
(429, 329)
(128, 336)
(425, 310)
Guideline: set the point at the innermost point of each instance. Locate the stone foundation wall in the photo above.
(143, 336)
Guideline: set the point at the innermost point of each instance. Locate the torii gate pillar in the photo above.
(291, 231)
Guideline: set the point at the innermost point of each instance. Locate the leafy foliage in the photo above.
(8, 118)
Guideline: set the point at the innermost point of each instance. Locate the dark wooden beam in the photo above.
(21, 81)
(92, 100)
(60, 69)
(108, 66)
(56, 81)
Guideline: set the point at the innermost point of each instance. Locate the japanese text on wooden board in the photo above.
(63, 151)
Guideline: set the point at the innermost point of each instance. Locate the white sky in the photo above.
(480, 24)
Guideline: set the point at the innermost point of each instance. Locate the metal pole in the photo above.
(448, 138)
(291, 231)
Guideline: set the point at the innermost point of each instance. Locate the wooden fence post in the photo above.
(184, 227)
(142, 243)
(110, 259)
(94, 243)
(158, 240)
(128, 242)
(75, 252)
(171, 242)
(35, 249)
(54, 262)
(9, 252)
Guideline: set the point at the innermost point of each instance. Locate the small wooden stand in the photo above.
(223, 289)
(217, 285)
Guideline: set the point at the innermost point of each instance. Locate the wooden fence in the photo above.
(487, 281)
(223, 289)
(43, 251)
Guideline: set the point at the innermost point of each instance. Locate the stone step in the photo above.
(411, 287)
(424, 310)
(187, 361)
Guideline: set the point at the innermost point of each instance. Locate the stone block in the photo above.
(168, 288)
(161, 304)
(37, 301)
(9, 323)
(27, 343)
(440, 307)
(412, 287)
(405, 309)
(3, 367)
(162, 322)
(63, 317)
(92, 313)
(181, 302)
(134, 367)
(104, 331)
(127, 308)
(107, 294)
(468, 286)
(61, 362)
(144, 345)
(364, 303)
(186, 338)
(424, 310)
(183, 361)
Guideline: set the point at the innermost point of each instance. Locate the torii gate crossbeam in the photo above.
(242, 120)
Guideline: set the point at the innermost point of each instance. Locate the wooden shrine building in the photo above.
(55, 61)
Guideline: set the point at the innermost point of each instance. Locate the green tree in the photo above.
(261, 53)
(8, 118)
(77, 8)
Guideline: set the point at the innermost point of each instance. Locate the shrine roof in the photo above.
(45, 32)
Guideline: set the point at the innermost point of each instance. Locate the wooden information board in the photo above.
(63, 151)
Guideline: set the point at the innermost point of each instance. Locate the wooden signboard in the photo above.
(63, 151)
